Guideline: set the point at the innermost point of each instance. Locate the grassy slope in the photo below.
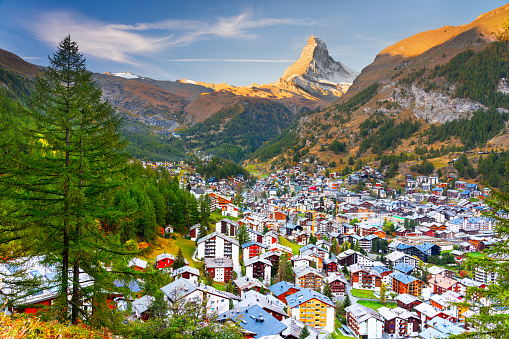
(292, 245)
(172, 246)
(375, 305)
(363, 293)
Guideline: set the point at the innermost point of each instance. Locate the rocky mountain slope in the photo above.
(317, 72)
(434, 90)
(314, 80)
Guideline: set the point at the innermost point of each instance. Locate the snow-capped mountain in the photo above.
(316, 71)
(125, 75)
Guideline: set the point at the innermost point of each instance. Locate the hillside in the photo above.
(431, 48)
(430, 96)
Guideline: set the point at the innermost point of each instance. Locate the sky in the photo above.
(215, 41)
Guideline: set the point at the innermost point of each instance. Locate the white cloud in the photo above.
(228, 60)
(94, 38)
(120, 42)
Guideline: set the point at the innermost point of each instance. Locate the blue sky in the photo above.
(236, 42)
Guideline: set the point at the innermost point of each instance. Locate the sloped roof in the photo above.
(403, 278)
(404, 268)
(219, 235)
(254, 319)
(283, 287)
(305, 295)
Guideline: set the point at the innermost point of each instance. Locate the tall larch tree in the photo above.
(64, 178)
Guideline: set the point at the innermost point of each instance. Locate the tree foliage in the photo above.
(489, 319)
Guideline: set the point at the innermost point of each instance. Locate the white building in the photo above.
(187, 291)
(217, 245)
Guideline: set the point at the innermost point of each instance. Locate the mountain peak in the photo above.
(317, 70)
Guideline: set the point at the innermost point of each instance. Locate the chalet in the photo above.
(186, 272)
(407, 301)
(137, 264)
(404, 268)
(190, 291)
(347, 258)
(220, 269)
(270, 238)
(460, 185)
(195, 232)
(308, 277)
(337, 284)
(227, 227)
(258, 268)
(426, 312)
(443, 326)
(302, 238)
(436, 270)
(254, 321)
(312, 308)
(220, 200)
(441, 284)
(330, 265)
(365, 278)
(244, 284)
(453, 194)
(267, 302)
(141, 307)
(230, 210)
(283, 289)
(164, 260)
(364, 322)
(438, 191)
(218, 245)
(252, 249)
(399, 322)
(299, 260)
(397, 257)
(273, 257)
(255, 236)
(402, 283)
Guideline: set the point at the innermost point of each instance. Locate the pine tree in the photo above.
(242, 235)
(202, 231)
(180, 261)
(489, 320)
(327, 290)
(383, 291)
(346, 302)
(65, 176)
(284, 272)
(304, 333)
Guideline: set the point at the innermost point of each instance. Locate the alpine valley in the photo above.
(420, 95)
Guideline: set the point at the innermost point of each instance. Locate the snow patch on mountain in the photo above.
(126, 75)
(317, 72)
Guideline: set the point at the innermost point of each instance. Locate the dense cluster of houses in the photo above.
(338, 234)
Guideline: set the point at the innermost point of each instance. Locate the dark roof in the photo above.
(282, 287)
(254, 319)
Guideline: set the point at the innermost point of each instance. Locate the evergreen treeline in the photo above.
(244, 128)
(146, 145)
(473, 132)
(388, 135)
(493, 170)
(16, 85)
(464, 167)
(276, 146)
(423, 168)
(158, 201)
(358, 99)
(220, 169)
(337, 147)
(477, 75)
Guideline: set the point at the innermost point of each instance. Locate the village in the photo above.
(334, 256)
